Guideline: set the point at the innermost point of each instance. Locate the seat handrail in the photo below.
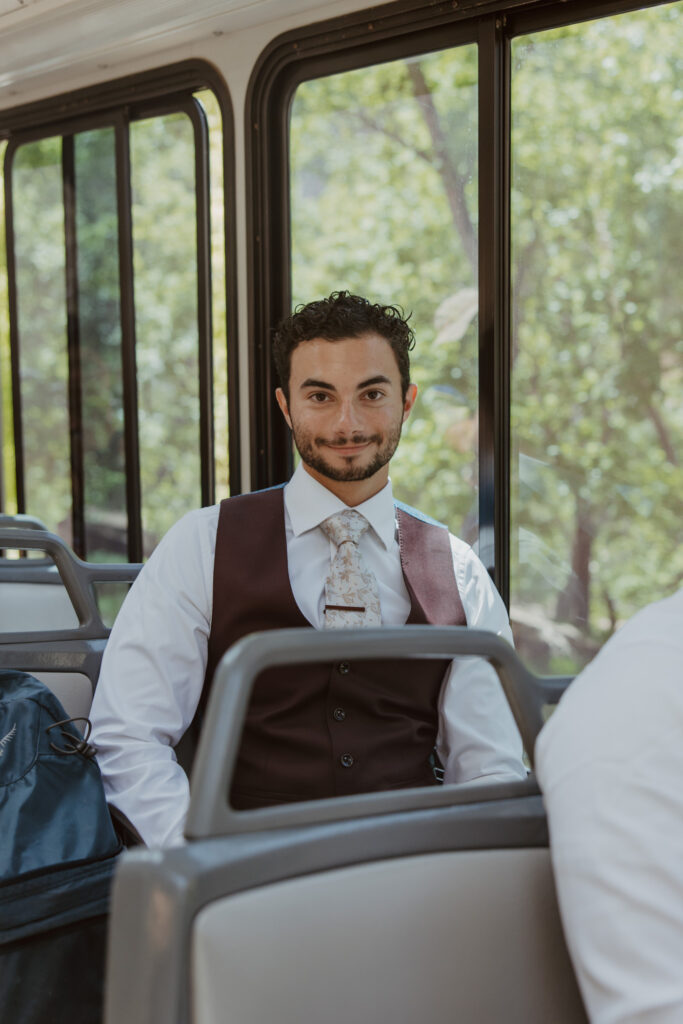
(81, 656)
(20, 521)
(77, 576)
(210, 813)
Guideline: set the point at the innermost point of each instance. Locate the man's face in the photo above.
(346, 410)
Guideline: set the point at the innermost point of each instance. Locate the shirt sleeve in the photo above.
(151, 680)
(478, 740)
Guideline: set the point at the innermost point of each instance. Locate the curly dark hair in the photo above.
(343, 315)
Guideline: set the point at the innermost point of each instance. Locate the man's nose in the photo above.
(348, 417)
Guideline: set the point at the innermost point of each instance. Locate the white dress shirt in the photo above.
(610, 764)
(154, 663)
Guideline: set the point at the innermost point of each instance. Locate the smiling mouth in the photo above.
(349, 449)
(353, 447)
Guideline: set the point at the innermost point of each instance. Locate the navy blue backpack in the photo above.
(57, 855)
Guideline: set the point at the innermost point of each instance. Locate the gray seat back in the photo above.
(50, 622)
(432, 903)
(19, 521)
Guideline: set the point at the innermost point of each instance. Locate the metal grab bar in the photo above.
(21, 522)
(210, 813)
(77, 577)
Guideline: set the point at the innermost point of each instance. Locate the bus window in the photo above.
(219, 326)
(383, 167)
(101, 389)
(7, 491)
(39, 255)
(112, 301)
(167, 356)
(597, 418)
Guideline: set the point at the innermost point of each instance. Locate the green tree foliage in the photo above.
(219, 298)
(41, 301)
(100, 332)
(597, 320)
(7, 469)
(164, 243)
(384, 202)
(164, 234)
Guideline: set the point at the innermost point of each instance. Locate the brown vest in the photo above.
(316, 731)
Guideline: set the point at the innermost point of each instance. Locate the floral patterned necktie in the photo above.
(351, 591)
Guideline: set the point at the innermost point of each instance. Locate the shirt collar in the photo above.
(308, 503)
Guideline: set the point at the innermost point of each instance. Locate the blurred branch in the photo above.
(453, 182)
(521, 266)
(662, 434)
(377, 126)
(611, 609)
(573, 602)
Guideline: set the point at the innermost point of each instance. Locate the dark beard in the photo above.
(310, 454)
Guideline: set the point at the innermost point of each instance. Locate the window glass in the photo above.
(218, 311)
(104, 467)
(8, 498)
(163, 159)
(384, 203)
(41, 303)
(597, 329)
(165, 273)
(109, 597)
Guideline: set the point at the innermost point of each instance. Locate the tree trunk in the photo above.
(453, 183)
(573, 601)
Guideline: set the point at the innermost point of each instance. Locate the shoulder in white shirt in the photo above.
(610, 763)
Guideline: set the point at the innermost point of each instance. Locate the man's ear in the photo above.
(282, 402)
(409, 401)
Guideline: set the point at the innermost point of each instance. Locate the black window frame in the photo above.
(380, 34)
(117, 104)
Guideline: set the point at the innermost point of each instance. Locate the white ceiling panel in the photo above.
(40, 37)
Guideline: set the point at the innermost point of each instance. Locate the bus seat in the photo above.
(74, 690)
(33, 597)
(19, 521)
(50, 622)
(435, 903)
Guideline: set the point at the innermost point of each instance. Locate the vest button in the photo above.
(346, 760)
(344, 668)
(339, 714)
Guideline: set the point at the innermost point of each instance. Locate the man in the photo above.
(329, 550)
(610, 763)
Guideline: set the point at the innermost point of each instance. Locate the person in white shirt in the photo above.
(610, 764)
(344, 367)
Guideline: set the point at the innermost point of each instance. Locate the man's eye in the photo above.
(319, 397)
(374, 394)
